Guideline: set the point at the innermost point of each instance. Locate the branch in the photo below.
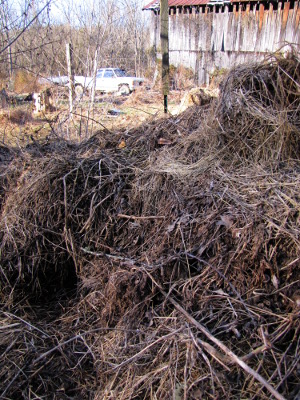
(232, 356)
(145, 217)
(140, 353)
(25, 28)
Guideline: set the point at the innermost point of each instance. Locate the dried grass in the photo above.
(18, 116)
(151, 271)
(259, 110)
(25, 82)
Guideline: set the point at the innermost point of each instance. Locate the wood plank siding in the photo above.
(210, 37)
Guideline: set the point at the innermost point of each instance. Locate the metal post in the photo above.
(164, 40)
(165, 103)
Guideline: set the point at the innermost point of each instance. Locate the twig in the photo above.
(79, 336)
(21, 370)
(215, 353)
(146, 217)
(112, 256)
(26, 323)
(144, 350)
(220, 344)
(224, 277)
(254, 352)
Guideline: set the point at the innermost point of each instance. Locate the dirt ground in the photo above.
(20, 126)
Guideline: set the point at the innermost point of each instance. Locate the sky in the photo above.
(61, 7)
(61, 10)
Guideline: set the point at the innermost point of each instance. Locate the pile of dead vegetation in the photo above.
(160, 262)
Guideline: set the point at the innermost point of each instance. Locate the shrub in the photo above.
(25, 82)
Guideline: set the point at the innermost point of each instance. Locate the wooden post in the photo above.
(92, 98)
(164, 40)
(94, 78)
(69, 54)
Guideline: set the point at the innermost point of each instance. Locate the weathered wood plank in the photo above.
(207, 40)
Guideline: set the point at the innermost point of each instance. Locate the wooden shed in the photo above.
(211, 35)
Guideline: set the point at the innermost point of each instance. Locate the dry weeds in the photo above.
(140, 268)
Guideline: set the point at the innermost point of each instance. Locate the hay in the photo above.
(259, 109)
(158, 271)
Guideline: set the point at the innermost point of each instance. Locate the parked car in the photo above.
(108, 80)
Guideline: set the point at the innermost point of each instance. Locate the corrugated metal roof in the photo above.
(155, 4)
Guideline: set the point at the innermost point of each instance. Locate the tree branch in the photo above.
(232, 356)
(25, 28)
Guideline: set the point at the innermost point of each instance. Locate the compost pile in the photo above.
(160, 262)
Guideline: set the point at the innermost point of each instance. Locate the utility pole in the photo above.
(164, 44)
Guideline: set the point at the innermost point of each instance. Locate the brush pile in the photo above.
(160, 262)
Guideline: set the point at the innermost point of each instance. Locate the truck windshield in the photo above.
(120, 72)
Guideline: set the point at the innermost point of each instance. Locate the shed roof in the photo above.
(155, 4)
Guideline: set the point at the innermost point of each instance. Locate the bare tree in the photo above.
(18, 24)
(35, 37)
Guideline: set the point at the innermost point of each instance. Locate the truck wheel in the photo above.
(124, 90)
(78, 90)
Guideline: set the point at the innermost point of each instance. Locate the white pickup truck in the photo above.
(108, 80)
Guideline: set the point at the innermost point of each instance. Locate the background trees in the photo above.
(33, 34)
